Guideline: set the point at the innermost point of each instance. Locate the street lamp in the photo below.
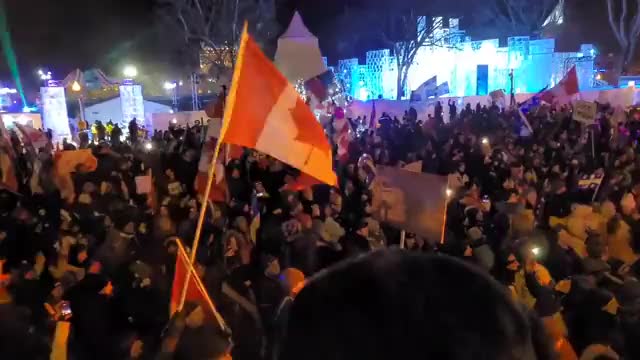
(76, 86)
(173, 87)
(44, 76)
(130, 71)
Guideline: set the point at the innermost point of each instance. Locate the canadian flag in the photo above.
(566, 87)
(265, 112)
(36, 138)
(195, 291)
(219, 186)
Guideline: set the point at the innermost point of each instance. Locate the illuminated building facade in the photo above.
(470, 67)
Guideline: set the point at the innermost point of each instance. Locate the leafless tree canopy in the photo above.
(216, 24)
(624, 20)
(406, 32)
(519, 17)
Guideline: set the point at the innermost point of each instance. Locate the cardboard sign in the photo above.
(414, 202)
(585, 111)
(143, 184)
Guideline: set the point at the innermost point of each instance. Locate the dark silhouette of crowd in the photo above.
(534, 264)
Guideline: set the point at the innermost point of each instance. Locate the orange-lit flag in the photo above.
(265, 112)
(8, 177)
(67, 162)
(196, 292)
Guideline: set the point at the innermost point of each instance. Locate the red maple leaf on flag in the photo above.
(309, 129)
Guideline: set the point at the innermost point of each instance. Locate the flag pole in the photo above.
(212, 166)
(190, 269)
(444, 213)
(203, 211)
(444, 221)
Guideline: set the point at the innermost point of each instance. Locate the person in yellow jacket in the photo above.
(94, 131)
(109, 128)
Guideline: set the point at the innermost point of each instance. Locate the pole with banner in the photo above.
(585, 112)
(593, 144)
(447, 196)
(203, 211)
(211, 175)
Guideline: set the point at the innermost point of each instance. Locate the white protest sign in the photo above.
(585, 111)
(143, 184)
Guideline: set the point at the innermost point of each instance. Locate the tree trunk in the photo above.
(403, 81)
(403, 73)
(400, 88)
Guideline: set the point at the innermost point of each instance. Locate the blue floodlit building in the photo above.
(470, 67)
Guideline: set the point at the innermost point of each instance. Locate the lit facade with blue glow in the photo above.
(535, 64)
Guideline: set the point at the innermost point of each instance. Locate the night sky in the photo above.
(66, 34)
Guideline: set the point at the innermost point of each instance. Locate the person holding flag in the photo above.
(277, 123)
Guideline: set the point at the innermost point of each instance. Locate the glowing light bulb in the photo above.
(130, 71)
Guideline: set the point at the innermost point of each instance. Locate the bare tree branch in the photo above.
(520, 17)
(214, 23)
(623, 19)
(413, 35)
(612, 22)
(511, 17)
(625, 30)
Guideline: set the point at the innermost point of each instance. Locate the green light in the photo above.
(9, 54)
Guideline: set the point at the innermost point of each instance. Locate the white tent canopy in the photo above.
(112, 110)
(298, 55)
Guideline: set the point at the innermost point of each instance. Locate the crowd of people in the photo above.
(534, 265)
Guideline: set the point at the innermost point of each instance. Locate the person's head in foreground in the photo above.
(400, 305)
